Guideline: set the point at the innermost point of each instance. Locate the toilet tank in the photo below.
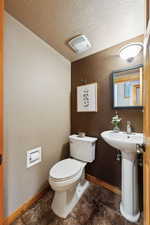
(82, 148)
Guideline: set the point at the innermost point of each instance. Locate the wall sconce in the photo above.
(130, 51)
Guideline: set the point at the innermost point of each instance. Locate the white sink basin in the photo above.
(126, 143)
(123, 141)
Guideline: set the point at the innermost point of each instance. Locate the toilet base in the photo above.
(64, 202)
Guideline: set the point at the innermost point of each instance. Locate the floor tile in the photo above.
(106, 216)
(31, 217)
(97, 206)
(68, 221)
(84, 210)
(99, 194)
(18, 222)
(45, 202)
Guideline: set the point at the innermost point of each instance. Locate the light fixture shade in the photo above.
(129, 51)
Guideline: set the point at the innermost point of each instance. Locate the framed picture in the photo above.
(87, 98)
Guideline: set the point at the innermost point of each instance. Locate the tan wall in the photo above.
(37, 110)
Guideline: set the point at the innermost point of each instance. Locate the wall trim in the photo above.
(23, 208)
(102, 183)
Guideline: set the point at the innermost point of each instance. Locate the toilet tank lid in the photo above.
(86, 138)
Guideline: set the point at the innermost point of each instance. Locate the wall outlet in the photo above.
(34, 156)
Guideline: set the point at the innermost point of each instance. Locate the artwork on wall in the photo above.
(87, 98)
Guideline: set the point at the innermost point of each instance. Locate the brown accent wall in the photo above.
(98, 68)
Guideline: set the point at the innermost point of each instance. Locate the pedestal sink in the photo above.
(126, 143)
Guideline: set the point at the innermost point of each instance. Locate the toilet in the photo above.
(66, 177)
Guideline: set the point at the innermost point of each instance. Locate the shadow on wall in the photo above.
(65, 153)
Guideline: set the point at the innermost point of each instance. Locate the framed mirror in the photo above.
(127, 87)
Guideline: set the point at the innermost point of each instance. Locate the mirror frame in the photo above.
(112, 75)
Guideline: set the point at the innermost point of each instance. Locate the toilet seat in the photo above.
(66, 169)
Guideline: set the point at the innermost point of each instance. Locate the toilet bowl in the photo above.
(66, 177)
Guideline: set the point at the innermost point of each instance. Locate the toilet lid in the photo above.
(66, 168)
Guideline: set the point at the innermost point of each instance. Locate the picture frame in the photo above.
(87, 98)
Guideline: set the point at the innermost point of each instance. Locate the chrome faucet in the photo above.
(129, 128)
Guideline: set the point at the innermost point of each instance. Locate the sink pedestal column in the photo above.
(129, 206)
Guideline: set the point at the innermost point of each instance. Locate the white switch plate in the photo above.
(34, 156)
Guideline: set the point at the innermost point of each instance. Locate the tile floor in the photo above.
(97, 206)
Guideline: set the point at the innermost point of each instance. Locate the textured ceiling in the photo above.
(104, 22)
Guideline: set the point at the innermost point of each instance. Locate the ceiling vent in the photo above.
(79, 44)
